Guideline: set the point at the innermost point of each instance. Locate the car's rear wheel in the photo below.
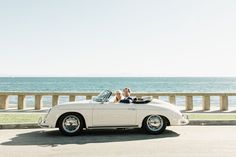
(154, 124)
(70, 124)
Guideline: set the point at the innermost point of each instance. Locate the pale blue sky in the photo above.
(117, 38)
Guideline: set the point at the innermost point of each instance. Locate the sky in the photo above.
(118, 38)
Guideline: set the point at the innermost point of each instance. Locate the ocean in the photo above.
(137, 84)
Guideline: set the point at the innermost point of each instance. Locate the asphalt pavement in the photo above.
(179, 141)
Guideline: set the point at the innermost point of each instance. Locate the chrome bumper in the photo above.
(184, 120)
(41, 123)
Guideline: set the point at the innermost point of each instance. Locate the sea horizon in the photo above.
(148, 84)
(118, 76)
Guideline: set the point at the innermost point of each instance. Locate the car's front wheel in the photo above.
(70, 124)
(154, 124)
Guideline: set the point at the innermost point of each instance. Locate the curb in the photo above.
(19, 126)
(212, 122)
(192, 122)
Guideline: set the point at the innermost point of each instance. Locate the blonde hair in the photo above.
(120, 92)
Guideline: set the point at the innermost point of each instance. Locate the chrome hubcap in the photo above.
(71, 123)
(154, 122)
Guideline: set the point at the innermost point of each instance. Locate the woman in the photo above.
(118, 96)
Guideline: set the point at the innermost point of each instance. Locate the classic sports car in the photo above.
(153, 115)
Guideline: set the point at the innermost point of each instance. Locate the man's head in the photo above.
(126, 92)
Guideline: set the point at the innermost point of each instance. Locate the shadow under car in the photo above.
(54, 137)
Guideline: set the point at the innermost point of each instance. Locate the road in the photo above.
(189, 141)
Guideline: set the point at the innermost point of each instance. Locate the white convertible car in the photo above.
(153, 115)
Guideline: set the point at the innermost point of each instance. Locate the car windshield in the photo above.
(103, 96)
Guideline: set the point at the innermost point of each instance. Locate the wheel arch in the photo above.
(67, 113)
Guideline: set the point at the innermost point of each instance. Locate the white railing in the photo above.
(21, 96)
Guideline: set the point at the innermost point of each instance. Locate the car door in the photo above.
(114, 114)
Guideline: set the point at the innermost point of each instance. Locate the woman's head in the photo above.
(118, 94)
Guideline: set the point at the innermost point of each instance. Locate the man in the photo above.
(127, 98)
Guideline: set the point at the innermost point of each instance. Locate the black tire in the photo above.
(161, 125)
(75, 118)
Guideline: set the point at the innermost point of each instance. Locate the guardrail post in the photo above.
(88, 97)
(72, 98)
(156, 96)
(172, 99)
(206, 102)
(223, 102)
(21, 102)
(38, 102)
(188, 102)
(3, 101)
(55, 100)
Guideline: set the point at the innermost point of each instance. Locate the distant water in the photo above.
(137, 84)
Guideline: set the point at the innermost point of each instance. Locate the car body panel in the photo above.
(112, 114)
